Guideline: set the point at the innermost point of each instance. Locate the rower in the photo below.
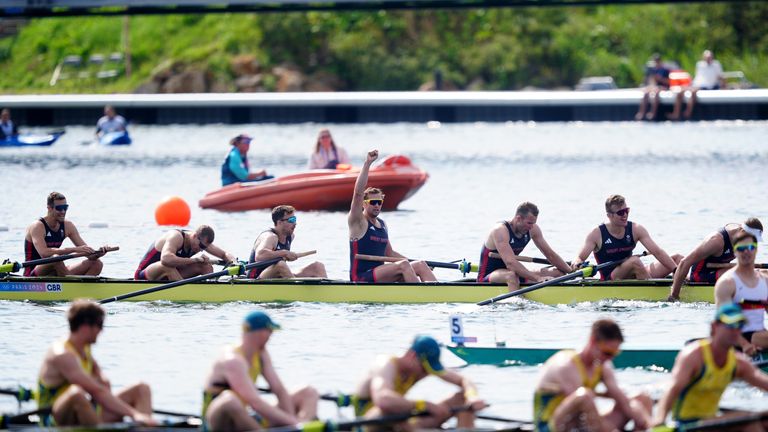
(565, 394)
(383, 390)
(508, 239)
(704, 369)
(45, 236)
(615, 241)
(230, 385)
(178, 255)
(276, 243)
(748, 287)
(368, 235)
(716, 249)
(72, 385)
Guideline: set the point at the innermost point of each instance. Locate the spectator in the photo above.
(327, 154)
(8, 128)
(709, 76)
(657, 79)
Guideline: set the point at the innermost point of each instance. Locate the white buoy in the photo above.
(98, 225)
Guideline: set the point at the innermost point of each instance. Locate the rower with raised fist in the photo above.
(368, 235)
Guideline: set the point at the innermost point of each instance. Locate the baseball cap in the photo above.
(428, 351)
(258, 320)
(731, 315)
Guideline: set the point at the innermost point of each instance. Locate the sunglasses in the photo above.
(61, 207)
(291, 219)
(622, 212)
(202, 245)
(745, 247)
(375, 202)
(736, 325)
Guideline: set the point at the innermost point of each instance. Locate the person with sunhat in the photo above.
(565, 397)
(748, 287)
(703, 370)
(384, 387)
(235, 167)
(230, 385)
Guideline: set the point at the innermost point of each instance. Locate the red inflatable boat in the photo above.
(322, 189)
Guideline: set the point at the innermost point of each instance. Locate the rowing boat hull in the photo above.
(328, 291)
(656, 359)
(31, 140)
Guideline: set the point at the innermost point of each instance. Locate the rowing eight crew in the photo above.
(73, 390)
(177, 253)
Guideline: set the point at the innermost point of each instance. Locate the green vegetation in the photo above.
(490, 49)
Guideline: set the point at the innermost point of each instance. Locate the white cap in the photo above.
(756, 233)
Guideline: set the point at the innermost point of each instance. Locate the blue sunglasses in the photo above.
(291, 219)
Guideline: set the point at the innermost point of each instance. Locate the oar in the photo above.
(21, 394)
(331, 426)
(729, 265)
(16, 266)
(584, 272)
(715, 423)
(224, 263)
(522, 258)
(462, 266)
(229, 271)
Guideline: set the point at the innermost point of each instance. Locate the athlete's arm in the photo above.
(388, 251)
(622, 401)
(470, 391)
(500, 237)
(383, 394)
(725, 290)
(220, 253)
(265, 245)
(37, 234)
(236, 375)
(746, 371)
(682, 373)
(591, 244)
(538, 239)
(642, 236)
(173, 242)
(708, 248)
(70, 368)
(355, 218)
(74, 236)
(284, 400)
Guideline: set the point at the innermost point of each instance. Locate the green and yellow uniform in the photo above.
(47, 395)
(701, 397)
(401, 387)
(546, 402)
(254, 370)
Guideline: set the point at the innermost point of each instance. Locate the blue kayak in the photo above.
(115, 138)
(25, 140)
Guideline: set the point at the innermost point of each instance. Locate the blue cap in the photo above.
(428, 351)
(258, 320)
(731, 315)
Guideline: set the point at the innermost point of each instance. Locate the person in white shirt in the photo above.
(110, 122)
(327, 154)
(8, 128)
(709, 76)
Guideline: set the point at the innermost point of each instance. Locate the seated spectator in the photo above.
(8, 128)
(327, 154)
(657, 79)
(709, 76)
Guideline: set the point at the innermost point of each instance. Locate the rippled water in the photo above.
(681, 180)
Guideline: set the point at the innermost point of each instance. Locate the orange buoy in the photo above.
(173, 210)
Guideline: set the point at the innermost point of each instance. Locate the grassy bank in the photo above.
(480, 49)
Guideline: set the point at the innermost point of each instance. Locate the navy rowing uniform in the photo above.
(701, 273)
(153, 255)
(613, 248)
(255, 272)
(489, 265)
(53, 239)
(373, 242)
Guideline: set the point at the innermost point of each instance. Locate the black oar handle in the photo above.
(229, 271)
(16, 266)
